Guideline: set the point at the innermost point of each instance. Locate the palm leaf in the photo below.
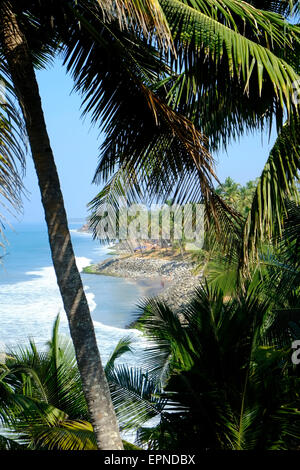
(146, 15)
(135, 396)
(233, 71)
(7, 443)
(277, 183)
(12, 149)
(154, 150)
(69, 435)
(121, 348)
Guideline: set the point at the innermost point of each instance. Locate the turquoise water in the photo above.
(30, 299)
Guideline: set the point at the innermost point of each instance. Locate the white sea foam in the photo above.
(81, 234)
(29, 308)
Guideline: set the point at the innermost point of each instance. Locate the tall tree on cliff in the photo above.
(17, 54)
(22, 49)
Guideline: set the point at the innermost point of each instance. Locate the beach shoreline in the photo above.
(172, 281)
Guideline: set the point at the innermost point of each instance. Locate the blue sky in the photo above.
(75, 144)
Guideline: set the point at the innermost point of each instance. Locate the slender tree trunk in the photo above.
(68, 278)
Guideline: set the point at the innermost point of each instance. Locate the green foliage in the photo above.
(224, 366)
(229, 70)
(238, 196)
(229, 386)
(42, 401)
(12, 148)
(229, 75)
(219, 376)
(276, 186)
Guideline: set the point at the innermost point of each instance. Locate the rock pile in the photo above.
(181, 282)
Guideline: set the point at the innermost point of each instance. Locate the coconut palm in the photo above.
(238, 196)
(276, 187)
(19, 58)
(115, 57)
(279, 261)
(43, 389)
(225, 78)
(220, 376)
(30, 32)
(229, 191)
(12, 148)
(228, 377)
(42, 401)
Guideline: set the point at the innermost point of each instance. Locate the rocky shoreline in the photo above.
(177, 279)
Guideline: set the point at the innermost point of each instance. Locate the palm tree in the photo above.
(276, 187)
(227, 375)
(42, 401)
(229, 191)
(22, 47)
(42, 390)
(167, 149)
(219, 377)
(12, 148)
(238, 196)
(232, 60)
(18, 57)
(30, 32)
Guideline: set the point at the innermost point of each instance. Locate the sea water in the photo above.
(30, 298)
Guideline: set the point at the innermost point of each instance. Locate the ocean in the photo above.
(30, 299)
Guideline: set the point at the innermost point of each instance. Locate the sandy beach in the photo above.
(172, 281)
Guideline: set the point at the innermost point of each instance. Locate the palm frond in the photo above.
(8, 443)
(283, 7)
(276, 185)
(12, 149)
(51, 376)
(156, 128)
(123, 346)
(154, 150)
(155, 147)
(135, 396)
(145, 15)
(69, 435)
(232, 75)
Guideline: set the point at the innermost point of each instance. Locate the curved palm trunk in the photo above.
(69, 281)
